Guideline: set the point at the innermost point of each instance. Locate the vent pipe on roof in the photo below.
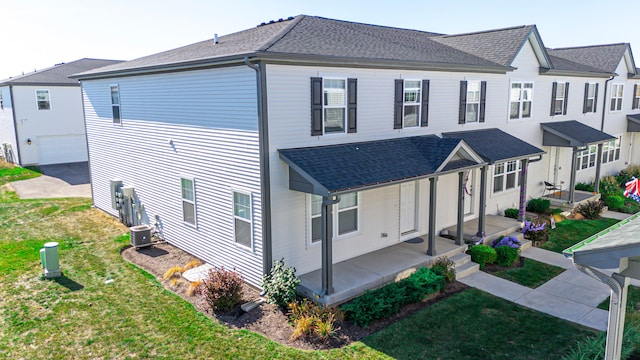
(215, 38)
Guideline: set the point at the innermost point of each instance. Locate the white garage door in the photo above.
(62, 149)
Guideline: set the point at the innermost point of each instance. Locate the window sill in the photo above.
(347, 235)
(245, 248)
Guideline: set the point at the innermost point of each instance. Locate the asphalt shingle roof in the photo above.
(603, 57)
(576, 133)
(58, 74)
(499, 46)
(495, 145)
(568, 65)
(357, 165)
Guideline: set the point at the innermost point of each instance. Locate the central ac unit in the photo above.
(140, 235)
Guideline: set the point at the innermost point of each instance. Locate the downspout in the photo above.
(265, 183)
(523, 187)
(15, 125)
(596, 185)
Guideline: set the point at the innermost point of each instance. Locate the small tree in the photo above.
(280, 284)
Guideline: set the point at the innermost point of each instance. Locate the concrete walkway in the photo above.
(57, 181)
(572, 295)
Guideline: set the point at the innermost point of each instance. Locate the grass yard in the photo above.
(571, 232)
(532, 273)
(9, 173)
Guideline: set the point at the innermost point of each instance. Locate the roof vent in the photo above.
(215, 38)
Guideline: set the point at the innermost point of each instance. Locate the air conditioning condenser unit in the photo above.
(140, 235)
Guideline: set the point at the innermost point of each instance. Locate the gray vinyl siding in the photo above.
(200, 124)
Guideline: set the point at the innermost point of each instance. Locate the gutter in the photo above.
(265, 178)
(543, 71)
(596, 185)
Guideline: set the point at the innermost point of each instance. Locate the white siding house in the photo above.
(41, 119)
(268, 143)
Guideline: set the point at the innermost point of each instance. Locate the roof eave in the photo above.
(556, 72)
(22, 83)
(538, 48)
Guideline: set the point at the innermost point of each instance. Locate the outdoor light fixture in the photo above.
(28, 141)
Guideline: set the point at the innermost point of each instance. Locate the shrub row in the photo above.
(539, 205)
(389, 299)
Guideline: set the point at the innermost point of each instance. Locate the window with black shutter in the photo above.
(473, 96)
(333, 106)
(411, 103)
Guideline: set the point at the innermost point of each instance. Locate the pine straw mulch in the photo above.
(266, 319)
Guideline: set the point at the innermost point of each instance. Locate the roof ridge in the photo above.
(376, 25)
(587, 46)
(488, 31)
(277, 37)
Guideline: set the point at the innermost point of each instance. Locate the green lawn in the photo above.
(79, 316)
(571, 232)
(532, 273)
(9, 173)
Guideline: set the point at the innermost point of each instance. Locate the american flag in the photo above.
(632, 189)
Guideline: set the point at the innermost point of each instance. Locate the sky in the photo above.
(37, 34)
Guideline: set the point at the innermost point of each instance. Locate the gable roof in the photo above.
(603, 57)
(495, 145)
(500, 45)
(310, 38)
(571, 133)
(58, 74)
(565, 65)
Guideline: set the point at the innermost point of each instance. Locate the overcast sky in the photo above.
(40, 33)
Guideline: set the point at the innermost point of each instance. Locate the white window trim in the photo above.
(585, 155)
(335, 220)
(336, 217)
(636, 96)
(48, 95)
(504, 176)
(345, 106)
(309, 219)
(618, 99)
(119, 104)
(183, 200)
(592, 97)
(250, 221)
(467, 103)
(613, 148)
(521, 101)
(560, 96)
(418, 102)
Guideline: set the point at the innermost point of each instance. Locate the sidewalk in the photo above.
(572, 295)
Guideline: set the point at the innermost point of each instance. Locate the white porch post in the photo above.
(460, 224)
(327, 243)
(431, 249)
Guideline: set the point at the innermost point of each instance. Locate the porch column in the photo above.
(483, 201)
(431, 248)
(596, 185)
(327, 243)
(523, 190)
(572, 182)
(460, 224)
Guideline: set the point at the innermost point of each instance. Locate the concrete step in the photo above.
(467, 269)
(460, 259)
(526, 244)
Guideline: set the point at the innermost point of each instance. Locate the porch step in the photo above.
(466, 269)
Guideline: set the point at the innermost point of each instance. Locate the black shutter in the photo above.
(634, 102)
(595, 99)
(462, 111)
(424, 113)
(586, 96)
(398, 104)
(483, 99)
(316, 106)
(554, 90)
(566, 98)
(352, 98)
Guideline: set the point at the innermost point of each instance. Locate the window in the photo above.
(616, 97)
(411, 108)
(521, 97)
(472, 101)
(333, 106)
(506, 175)
(559, 97)
(590, 98)
(611, 150)
(345, 216)
(43, 99)
(348, 213)
(316, 218)
(242, 219)
(115, 104)
(587, 157)
(411, 103)
(188, 201)
(636, 97)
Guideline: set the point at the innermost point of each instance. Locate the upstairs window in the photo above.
(43, 99)
(115, 104)
(616, 97)
(590, 98)
(521, 98)
(472, 101)
(333, 106)
(411, 103)
(636, 97)
(242, 219)
(611, 150)
(506, 175)
(559, 97)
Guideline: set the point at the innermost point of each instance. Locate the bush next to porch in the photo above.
(511, 213)
(482, 255)
(591, 209)
(584, 187)
(389, 299)
(539, 205)
(280, 284)
(627, 174)
(507, 250)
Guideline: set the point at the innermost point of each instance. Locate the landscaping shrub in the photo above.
(510, 241)
(280, 284)
(445, 268)
(221, 289)
(626, 174)
(593, 347)
(614, 202)
(507, 255)
(630, 208)
(556, 211)
(537, 232)
(538, 205)
(591, 209)
(482, 255)
(609, 186)
(584, 187)
(309, 318)
(389, 299)
(511, 213)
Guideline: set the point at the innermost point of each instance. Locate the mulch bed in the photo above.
(494, 268)
(266, 319)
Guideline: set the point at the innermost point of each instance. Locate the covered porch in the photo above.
(561, 198)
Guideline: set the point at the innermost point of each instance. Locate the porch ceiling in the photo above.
(633, 123)
(495, 145)
(335, 169)
(571, 133)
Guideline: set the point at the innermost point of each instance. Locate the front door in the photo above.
(468, 192)
(408, 213)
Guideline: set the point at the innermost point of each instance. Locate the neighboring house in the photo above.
(41, 119)
(320, 141)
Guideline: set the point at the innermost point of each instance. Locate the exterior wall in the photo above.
(200, 124)
(7, 127)
(64, 119)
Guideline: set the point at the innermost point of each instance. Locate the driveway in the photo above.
(60, 180)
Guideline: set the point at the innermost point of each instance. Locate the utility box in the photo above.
(115, 186)
(140, 235)
(49, 260)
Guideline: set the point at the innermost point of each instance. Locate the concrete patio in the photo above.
(561, 198)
